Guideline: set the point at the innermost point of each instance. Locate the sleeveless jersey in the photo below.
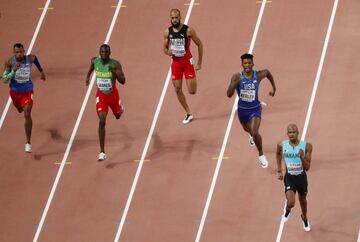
(179, 43)
(248, 92)
(105, 80)
(21, 82)
(292, 158)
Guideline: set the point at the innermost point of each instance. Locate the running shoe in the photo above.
(306, 224)
(102, 156)
(188, 118)
(263, 161)
(28, 148)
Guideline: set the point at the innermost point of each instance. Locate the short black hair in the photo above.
(175, 10)
(18, 45)
(247, 56)
(105, 46)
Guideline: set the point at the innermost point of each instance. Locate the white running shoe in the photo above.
(28, 148)
(188, 118)
(102, 156)
(263, 161)
(251, 140)
(306, 224)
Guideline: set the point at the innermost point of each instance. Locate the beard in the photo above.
(175, 25)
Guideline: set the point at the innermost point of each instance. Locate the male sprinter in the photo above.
(107, 71)
(177, 45)
(18, 72)
(297, 157)
(246, 83)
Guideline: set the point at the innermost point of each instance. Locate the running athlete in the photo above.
(297, 157)
(107, 71)
(246, 83)
(18, 72)
(177, 45)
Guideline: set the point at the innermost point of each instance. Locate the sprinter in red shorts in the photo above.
(17, 72)
(107, 71)
(177, 45)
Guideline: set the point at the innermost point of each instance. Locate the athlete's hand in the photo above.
(16, 67)
(272, 93)
(168, 52)
(197, 66)
(42, 76)
(280, 175)
(301, 153)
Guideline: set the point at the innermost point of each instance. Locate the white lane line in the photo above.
(358, 239)
(63, 161)
(147, 143)
(37, 29)
(227, 133)
(313, 94)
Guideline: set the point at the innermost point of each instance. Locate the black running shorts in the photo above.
(296, 183)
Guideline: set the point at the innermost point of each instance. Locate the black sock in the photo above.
(287, 212)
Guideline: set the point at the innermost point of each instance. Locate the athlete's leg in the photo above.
(290, 201)
(191, 85)
(303, 205)
(102, 123)
(254, 132)
(180, 95)
(246, 127)
(28, 122)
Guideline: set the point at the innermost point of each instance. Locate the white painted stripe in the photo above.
(147, 143)
(37, 29)
(66, 154)
(227, 133)
(358, 239)
(313, 94)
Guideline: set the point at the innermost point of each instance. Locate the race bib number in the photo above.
(177, 47)
(294, 168)
(22, 75)
(247, 95)
(104, 84)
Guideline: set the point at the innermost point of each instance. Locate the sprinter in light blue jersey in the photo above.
(246, 83)
(297, 156)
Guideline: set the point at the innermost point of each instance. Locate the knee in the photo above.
(102, 123)
(178, 90)
(192, 92)
(254, 132)
(290, 204)
(27, 114)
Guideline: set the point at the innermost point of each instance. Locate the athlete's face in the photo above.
(104, 53)
(247, 65)
(19, 53)
(292, 133)
(175, 19)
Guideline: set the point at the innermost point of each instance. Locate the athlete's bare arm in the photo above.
(234, 83)
(91, 69)
(34, 59)
(166, 43)
(192, 34)
(118, 72)
(266, 73)
(279, 161)
(306, 160)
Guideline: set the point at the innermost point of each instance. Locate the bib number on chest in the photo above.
(177, 47)
(22, 75)
(294, 168)
(247, 95)
(104, 84)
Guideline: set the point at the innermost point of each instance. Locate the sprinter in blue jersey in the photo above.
(246, 83)
(17, 71)
(297, 156)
